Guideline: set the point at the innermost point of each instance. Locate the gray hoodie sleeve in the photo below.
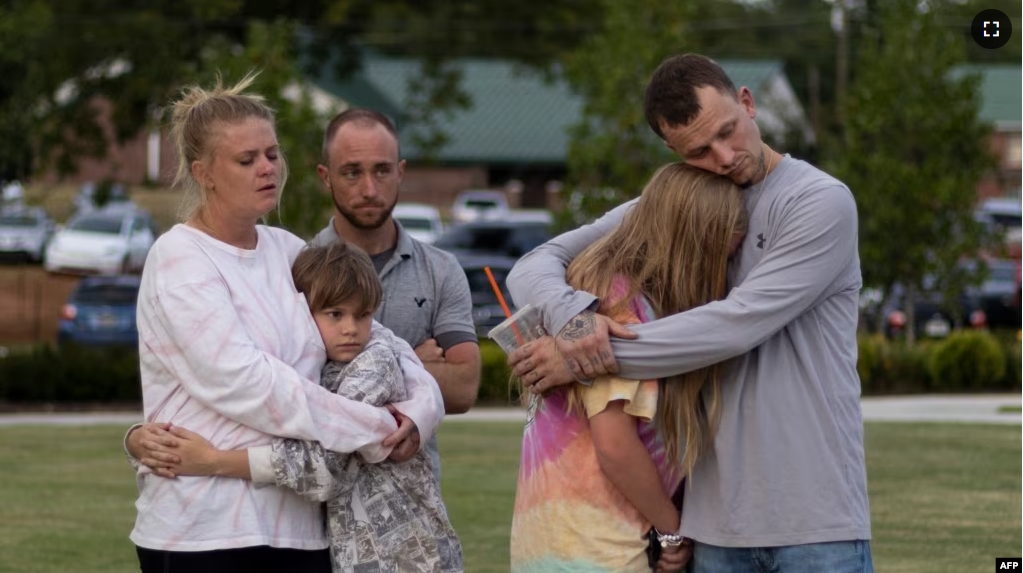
(538, 277)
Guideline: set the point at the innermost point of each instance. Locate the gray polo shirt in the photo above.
(426, 295)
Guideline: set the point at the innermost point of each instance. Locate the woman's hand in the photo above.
(196, 456)
(154, 447)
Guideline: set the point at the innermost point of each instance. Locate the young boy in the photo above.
(386, 517)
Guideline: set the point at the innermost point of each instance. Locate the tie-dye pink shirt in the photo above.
(569, 517)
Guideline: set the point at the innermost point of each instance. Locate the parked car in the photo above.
(25, 232)
(934, 317)
(486, 309)
(1004, 217)
(999, 295)
(421, 221)
(507, 238)
(479, 205)
(112, 240)
(101, 311)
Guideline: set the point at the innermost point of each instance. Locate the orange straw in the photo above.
(497, 291)
(500, 299)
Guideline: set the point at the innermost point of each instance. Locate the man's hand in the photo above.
(404, 440)
(585, 345)
(674, 559)
(539, 366)
(428, 351)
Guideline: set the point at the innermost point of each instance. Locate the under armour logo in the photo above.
(760, 240)
(419, 301)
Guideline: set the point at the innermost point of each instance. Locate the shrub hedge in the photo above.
(72, 374)
(497, 387)
(968, 361)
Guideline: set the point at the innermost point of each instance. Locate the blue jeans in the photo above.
(834, 557)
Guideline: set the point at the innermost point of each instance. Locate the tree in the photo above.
(913, 150)
(19, 31)
(612, 150)
(57, 56)
(269, 48)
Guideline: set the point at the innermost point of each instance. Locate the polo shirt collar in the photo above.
(404, 248)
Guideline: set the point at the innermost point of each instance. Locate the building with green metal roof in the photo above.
(515, 131)
(1001, 101)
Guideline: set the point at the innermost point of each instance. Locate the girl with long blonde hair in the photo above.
(600, 462)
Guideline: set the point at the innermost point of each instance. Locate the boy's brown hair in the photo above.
(334, 274)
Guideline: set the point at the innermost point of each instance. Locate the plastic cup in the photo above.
(524, 326)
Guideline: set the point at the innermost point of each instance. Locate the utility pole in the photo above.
(839, 23)
(813, 88)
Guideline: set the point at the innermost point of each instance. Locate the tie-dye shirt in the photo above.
(229, 350)
(569, 517)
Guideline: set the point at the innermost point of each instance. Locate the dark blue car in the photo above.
(101, 311)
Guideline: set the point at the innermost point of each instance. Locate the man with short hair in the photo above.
(426, 293)
(783, 486)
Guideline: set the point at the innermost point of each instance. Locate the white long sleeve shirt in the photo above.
(228, 349)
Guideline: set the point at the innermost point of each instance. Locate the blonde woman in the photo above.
(600, 462)
(228, 349)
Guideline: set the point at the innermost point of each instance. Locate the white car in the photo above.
(24, 232)
(106, 241)
(422, 222)
(479, 205)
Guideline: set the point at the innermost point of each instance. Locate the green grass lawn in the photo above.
(944, 497)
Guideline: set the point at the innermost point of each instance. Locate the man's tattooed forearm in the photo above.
(581, 326)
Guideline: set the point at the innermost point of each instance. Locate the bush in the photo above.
(73, 374)
(968, 360)
(868, 361)
(496, 383)
(891, 367)
(1013, 378)
(905, 368)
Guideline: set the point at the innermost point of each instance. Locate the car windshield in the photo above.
(481, 203)
(416, 224)
(1002, 273)
(105, 225)
(107, 294)
(1006, 220)
(18, 221)
(481, 289)
(519, 238)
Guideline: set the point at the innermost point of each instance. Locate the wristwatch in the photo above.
(669, 539)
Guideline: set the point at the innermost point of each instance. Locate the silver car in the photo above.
(24, 232)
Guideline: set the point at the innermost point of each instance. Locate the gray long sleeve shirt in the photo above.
(787, 464)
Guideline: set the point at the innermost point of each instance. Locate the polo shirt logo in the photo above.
(419, 301)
